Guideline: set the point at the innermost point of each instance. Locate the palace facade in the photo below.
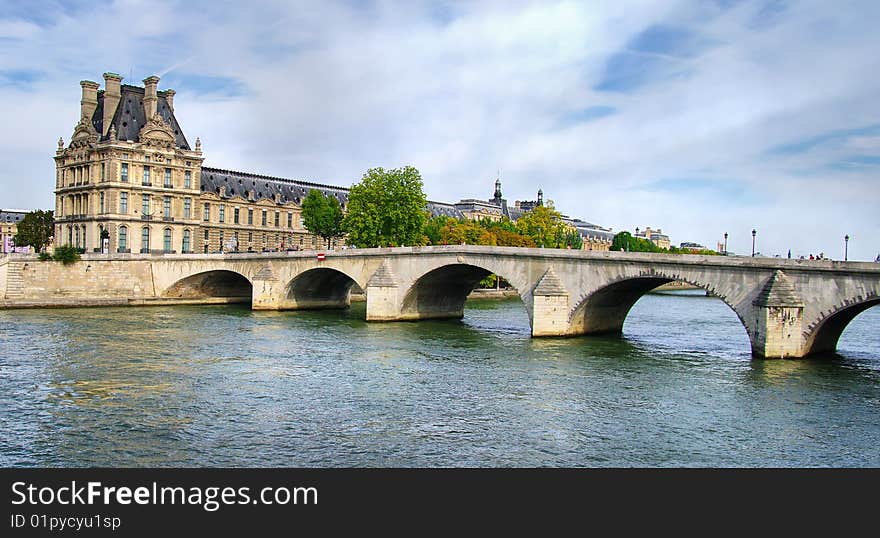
(131, 176)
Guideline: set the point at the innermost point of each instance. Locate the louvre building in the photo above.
(130, 175)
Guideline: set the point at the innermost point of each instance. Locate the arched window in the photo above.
(145, 240)
(167, 243)
(77, 236)
(185, 246)
(123, 238)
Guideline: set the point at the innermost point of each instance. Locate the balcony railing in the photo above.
(146, 217)
(168, 218)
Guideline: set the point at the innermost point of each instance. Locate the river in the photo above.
(224, 386)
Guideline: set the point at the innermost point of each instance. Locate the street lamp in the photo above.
(725, 243)
(753, 242)
(845, 247)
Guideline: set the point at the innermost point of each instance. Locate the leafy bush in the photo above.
(45, 256)
(66, 254)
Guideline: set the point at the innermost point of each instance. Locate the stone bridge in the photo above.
(789, 308)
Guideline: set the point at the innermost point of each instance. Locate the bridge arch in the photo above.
(219, 283)
(320, 288)
(442, 291)
(604, 310)
(824, 333)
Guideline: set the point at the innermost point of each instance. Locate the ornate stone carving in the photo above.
(157, 133)
(83, 134)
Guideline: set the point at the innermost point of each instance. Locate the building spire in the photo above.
(497, 196)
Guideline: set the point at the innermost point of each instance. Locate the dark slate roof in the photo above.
(291, 190)
(588, 229)
(441, 209)
(265, 187)
(130, 116)
(11, 216)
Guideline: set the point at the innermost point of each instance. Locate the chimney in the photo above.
(150, 99)
(169, 97)
(112, 95)
(89, 101)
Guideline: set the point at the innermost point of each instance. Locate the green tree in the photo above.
(322, 215)
(625, 241)
(574, 240)
(544, 225)
(432, 228)
(387, 208)
(35, 229)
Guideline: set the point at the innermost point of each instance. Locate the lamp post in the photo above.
(845, 247)
(725, 243)
(753, 242)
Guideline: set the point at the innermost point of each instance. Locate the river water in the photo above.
(225, 386)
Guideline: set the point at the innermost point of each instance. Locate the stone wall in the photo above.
(28, 281)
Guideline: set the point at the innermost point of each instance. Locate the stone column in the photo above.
(268, 292)
(383, 301)
(550, 304)
(778, 314)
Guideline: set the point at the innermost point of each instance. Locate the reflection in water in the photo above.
(225, 386)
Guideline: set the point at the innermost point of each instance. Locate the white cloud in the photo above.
(462, 89)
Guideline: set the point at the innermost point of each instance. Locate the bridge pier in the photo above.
(550, 306)
(267, 295)
(778, 314)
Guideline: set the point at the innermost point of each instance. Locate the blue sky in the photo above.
(699, 117)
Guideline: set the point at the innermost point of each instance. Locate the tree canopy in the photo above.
(625, 241)
(35, 229)
(544, 225)
(386, 208)
(322, 215)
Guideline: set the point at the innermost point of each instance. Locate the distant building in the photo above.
(692, 246)
(594, 236)
(9, 219)
(655, 236)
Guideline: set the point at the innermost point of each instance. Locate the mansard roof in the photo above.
(130, 116)
(11, 216)
(264, 187)
(290, 190)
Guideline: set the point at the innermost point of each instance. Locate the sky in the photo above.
(695, 117)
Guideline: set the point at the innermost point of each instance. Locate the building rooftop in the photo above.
(230, 183)
(10, 216)
(130, 116)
